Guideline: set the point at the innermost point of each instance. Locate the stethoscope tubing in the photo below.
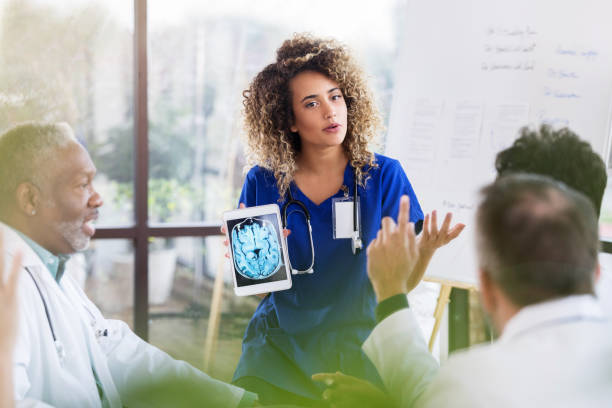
(44, 305)
(356, 239)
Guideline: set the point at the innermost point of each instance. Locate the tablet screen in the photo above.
(257, 254)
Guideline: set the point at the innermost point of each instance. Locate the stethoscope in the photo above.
(356, 242)
(59, 346)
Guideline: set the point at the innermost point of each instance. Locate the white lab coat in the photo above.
(554, 354)
(121, 359)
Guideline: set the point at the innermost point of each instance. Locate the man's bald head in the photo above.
(537, 238)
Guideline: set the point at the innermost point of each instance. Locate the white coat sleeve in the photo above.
(453, 387)
(398, 350)
(135, 364)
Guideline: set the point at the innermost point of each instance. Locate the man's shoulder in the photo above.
(466, 373)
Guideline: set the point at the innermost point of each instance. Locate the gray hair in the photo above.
(26, 150)
(537, 238)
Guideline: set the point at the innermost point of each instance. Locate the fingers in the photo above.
(455, 231)
(411, 239)
(327, 378)
(369, 248)
(425, 230)
(286, 232)
(403, 216)
(242, 205)
(388, 227)
(433, 227)
(334, 379)
(226, 244)
(446, 223)
(347, 391)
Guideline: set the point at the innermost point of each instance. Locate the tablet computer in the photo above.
(257, 249)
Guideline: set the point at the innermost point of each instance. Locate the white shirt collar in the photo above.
(553, 312)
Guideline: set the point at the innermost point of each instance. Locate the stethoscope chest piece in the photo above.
(61, 351)
(356, 243)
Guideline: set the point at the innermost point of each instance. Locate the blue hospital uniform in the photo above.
(320, 323)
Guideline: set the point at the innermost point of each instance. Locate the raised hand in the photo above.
(393, 254)
(432, 238)
(429, 241)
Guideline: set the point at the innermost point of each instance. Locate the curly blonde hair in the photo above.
(269, 115)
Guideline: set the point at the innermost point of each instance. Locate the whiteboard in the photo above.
(470, 73)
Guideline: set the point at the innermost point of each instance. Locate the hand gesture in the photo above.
(431, 238)
(393, 254)
(8, 299)
(345, 391)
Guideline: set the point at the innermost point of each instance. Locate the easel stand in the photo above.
(443, 299)
(214, 317)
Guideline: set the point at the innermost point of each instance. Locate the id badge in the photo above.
(342, 217)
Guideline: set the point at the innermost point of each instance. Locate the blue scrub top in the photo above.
(320, 323)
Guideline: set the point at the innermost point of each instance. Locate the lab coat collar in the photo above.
(13, 243)
(55, 264)
(552, 313)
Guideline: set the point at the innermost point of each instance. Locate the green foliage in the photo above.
(170, 149)
(169, 200)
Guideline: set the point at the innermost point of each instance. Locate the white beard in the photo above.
(72, 231)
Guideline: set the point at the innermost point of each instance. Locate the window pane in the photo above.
(106, 272)
(181, 279)
(203, 54)
(72, 62)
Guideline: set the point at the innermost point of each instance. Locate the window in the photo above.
(167, 141)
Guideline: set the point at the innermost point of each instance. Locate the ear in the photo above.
(597, 273)
(28, 198)
(293, 128)
(486, 291)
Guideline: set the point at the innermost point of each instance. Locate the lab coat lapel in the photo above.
(88, 323)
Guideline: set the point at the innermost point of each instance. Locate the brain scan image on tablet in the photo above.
(257, 252)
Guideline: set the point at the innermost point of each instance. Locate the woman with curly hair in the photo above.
(310, 119)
